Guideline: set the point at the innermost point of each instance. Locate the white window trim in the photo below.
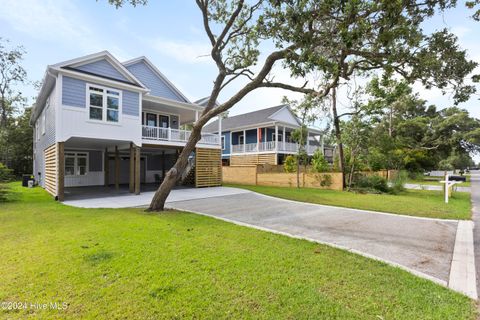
(223, 141)
(75, 164)
(104, 102)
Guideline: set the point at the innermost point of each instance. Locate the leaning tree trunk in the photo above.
(174, 174)
(338, 135)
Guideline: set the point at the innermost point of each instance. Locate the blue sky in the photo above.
(170, 34)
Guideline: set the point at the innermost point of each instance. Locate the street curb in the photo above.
(462, 270)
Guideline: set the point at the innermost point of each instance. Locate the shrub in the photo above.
(372, 182)
(319, 163)
(290, 164)
(326, 180)
(6, 174)
(398, 184)
(4, 193)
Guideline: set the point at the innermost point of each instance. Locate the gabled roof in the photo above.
(72, 67)
(157, 72)
(246, 119)
(77, 63)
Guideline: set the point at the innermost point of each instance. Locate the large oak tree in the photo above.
(331, 39)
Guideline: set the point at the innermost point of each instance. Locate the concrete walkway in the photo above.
(424, 246)
(415, 186)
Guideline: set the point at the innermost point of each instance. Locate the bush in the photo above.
(290, 164)
(6, 174)
(398, 184)
(4, 193)
(319, 163)
(326, 181)
(372, 182)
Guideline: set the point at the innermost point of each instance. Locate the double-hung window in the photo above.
(76, 163)
(223, 142)
(104, 104)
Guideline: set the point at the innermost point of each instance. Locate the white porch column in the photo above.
(220, 130)
(244, 140)
(276, 137)
(196, 116)
(284, 137)
(258, 140)
(322, 144)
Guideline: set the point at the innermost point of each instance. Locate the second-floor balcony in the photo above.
(176, 135)
(287, 147)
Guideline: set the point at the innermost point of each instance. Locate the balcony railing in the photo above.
(270, 146)
(176, 135)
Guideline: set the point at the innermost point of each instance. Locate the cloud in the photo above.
(185, 52)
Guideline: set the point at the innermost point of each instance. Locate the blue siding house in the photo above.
(100, 122)
(263, 136)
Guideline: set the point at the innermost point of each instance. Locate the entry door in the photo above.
(163, 121)
(151, 119)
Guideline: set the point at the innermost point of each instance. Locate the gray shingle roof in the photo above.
(243, 120)
(203, 102)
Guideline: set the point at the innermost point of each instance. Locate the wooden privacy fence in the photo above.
(257, 175)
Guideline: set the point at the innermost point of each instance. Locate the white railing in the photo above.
(168, 134)
(270, 146)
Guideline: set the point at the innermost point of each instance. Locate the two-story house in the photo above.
(263, 137)
(101, 122)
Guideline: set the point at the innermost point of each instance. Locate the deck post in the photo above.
(276, 137)
(163, 165)
(131, 182)
(61, 171)
(106, 168)
(284, 137)
(117, 169)
(244, 140)
(258, 140)
(137, 170)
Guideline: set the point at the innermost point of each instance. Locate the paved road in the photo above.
(475, 178)
(424, 245)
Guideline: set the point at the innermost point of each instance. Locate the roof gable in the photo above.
(102, 64)
(154, 80)
(102, 67)
(285, 115)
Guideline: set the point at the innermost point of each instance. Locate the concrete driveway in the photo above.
(423, 245)
(108, 198)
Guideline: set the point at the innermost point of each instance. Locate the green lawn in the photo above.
(128, 264)
(410, 202)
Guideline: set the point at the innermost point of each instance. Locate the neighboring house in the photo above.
(100, 122)
(263, 136)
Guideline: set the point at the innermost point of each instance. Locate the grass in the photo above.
(125, 263)
(418, 203)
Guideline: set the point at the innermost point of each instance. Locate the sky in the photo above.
(171, 35)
